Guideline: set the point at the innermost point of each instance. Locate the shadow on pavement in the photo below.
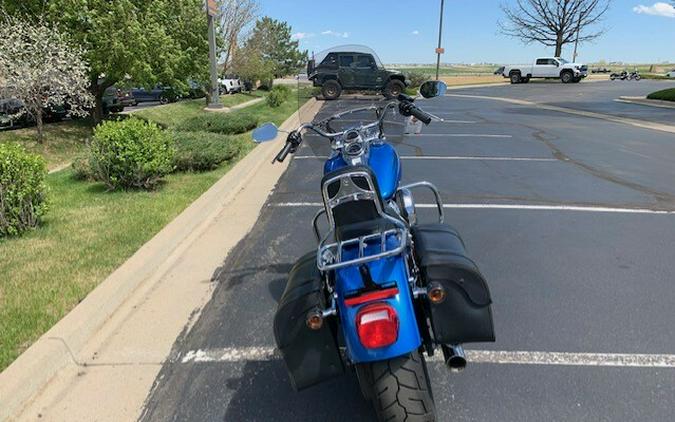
(263, 393)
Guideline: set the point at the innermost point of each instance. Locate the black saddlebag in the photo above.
(311, 356)
(465, 315)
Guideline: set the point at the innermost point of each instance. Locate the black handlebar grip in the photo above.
(421, 115)
(281, 156)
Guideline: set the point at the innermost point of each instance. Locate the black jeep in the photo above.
(353, 68)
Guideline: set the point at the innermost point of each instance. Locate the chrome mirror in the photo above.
(431, 89)
(264, 133)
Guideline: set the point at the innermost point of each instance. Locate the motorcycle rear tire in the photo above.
(399, 388)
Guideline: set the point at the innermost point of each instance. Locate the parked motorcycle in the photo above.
(634, 76)
(382, 289)
(622, 75)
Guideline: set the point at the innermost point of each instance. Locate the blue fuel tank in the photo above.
(383, 160)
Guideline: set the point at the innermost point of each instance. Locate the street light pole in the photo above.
(214, 97)
(439, 50)
(576, 43)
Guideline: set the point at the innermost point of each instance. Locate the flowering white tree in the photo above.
(40, 68)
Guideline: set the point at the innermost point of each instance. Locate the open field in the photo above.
(480, 70)
(447, 70)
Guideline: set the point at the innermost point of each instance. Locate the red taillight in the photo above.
(377, 325)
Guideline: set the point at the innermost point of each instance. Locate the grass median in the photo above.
(171, 114)
(663, 95)
(89, 232)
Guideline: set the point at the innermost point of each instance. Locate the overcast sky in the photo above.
(406, 31)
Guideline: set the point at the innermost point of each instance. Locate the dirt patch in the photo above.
(472, 80)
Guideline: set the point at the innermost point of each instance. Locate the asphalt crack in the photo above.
(663, 199)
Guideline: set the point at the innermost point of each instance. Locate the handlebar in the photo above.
(405, 105)
(281, 156)
(420, 114)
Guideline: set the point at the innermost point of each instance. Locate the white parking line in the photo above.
(461, 135)
(247, 354)
(446, 157)
(521, 207)
(438, 135)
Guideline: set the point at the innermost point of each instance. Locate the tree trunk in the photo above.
(38, 122)
(97, 90)
(558, 45)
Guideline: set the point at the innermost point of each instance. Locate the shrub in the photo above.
(22, 189)
(202, 151)
(664, 94)
(82, 168)
(228, 124)
(417, 79)
(130, 154)
(278, 95)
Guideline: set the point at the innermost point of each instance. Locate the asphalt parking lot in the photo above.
(572, 221)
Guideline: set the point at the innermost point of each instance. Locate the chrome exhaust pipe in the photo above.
(454, 357)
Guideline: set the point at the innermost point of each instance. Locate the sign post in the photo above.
(439, 49)
(214, 97)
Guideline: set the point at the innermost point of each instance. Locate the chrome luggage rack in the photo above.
(331, 256)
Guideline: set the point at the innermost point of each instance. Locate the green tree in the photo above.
(272, 40)
(248, 63)
(159, 41)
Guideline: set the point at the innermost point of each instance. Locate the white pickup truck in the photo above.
(546, 67)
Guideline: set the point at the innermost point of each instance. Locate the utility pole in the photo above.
(576, 42)
(439, 50)
(214, 97)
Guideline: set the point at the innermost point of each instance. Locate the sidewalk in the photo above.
(100, 361)
(237, 107)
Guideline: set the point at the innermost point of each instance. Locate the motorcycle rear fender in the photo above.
(384, 272)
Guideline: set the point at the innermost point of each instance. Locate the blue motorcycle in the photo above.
(381, 290)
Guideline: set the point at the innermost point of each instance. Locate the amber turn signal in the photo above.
(314, 320)
(436, 293)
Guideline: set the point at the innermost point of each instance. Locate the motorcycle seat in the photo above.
(360, 209)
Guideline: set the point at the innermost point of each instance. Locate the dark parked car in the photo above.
(159, 93)
(126, 98)
(112, 100)
(8, 109)
(354, 68)
(10, 117)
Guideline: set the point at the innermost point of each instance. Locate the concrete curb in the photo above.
(59, 347)
(607, 117)
(646, 102)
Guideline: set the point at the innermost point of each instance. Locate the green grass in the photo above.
(87, 233)
(455, 70)
(664, 94)
(171, 115)
(653, 76)
(62, 140)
